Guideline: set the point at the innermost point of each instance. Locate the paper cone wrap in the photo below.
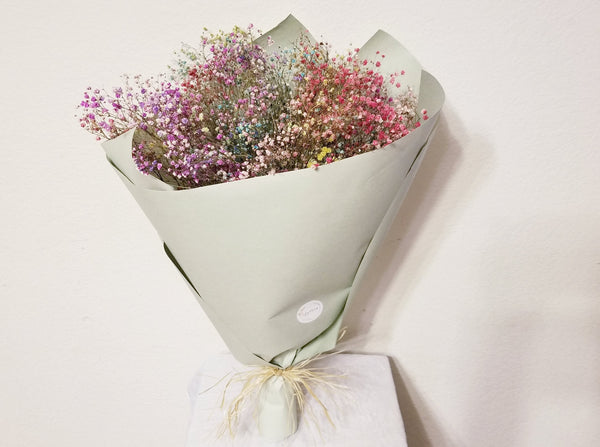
(275, 260)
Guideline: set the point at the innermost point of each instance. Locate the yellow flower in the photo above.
(324, 151)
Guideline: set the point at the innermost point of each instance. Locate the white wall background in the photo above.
(486, 296)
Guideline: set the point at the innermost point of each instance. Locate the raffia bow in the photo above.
(302, 380)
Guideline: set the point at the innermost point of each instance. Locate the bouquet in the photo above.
(271, 169)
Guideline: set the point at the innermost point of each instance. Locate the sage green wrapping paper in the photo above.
(278, 415)
(256, 251)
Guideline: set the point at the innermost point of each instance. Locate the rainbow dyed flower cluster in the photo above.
(232, 109)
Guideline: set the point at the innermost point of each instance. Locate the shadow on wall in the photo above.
(435, 172)
(421, 426)
(526, 352)
(422, 429)
(439, 166)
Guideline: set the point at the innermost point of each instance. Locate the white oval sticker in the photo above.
(310, 311)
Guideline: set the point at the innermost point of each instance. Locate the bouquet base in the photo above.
(278, 410)
(366, 412)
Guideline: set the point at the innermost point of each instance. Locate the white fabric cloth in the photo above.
(365, 413)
